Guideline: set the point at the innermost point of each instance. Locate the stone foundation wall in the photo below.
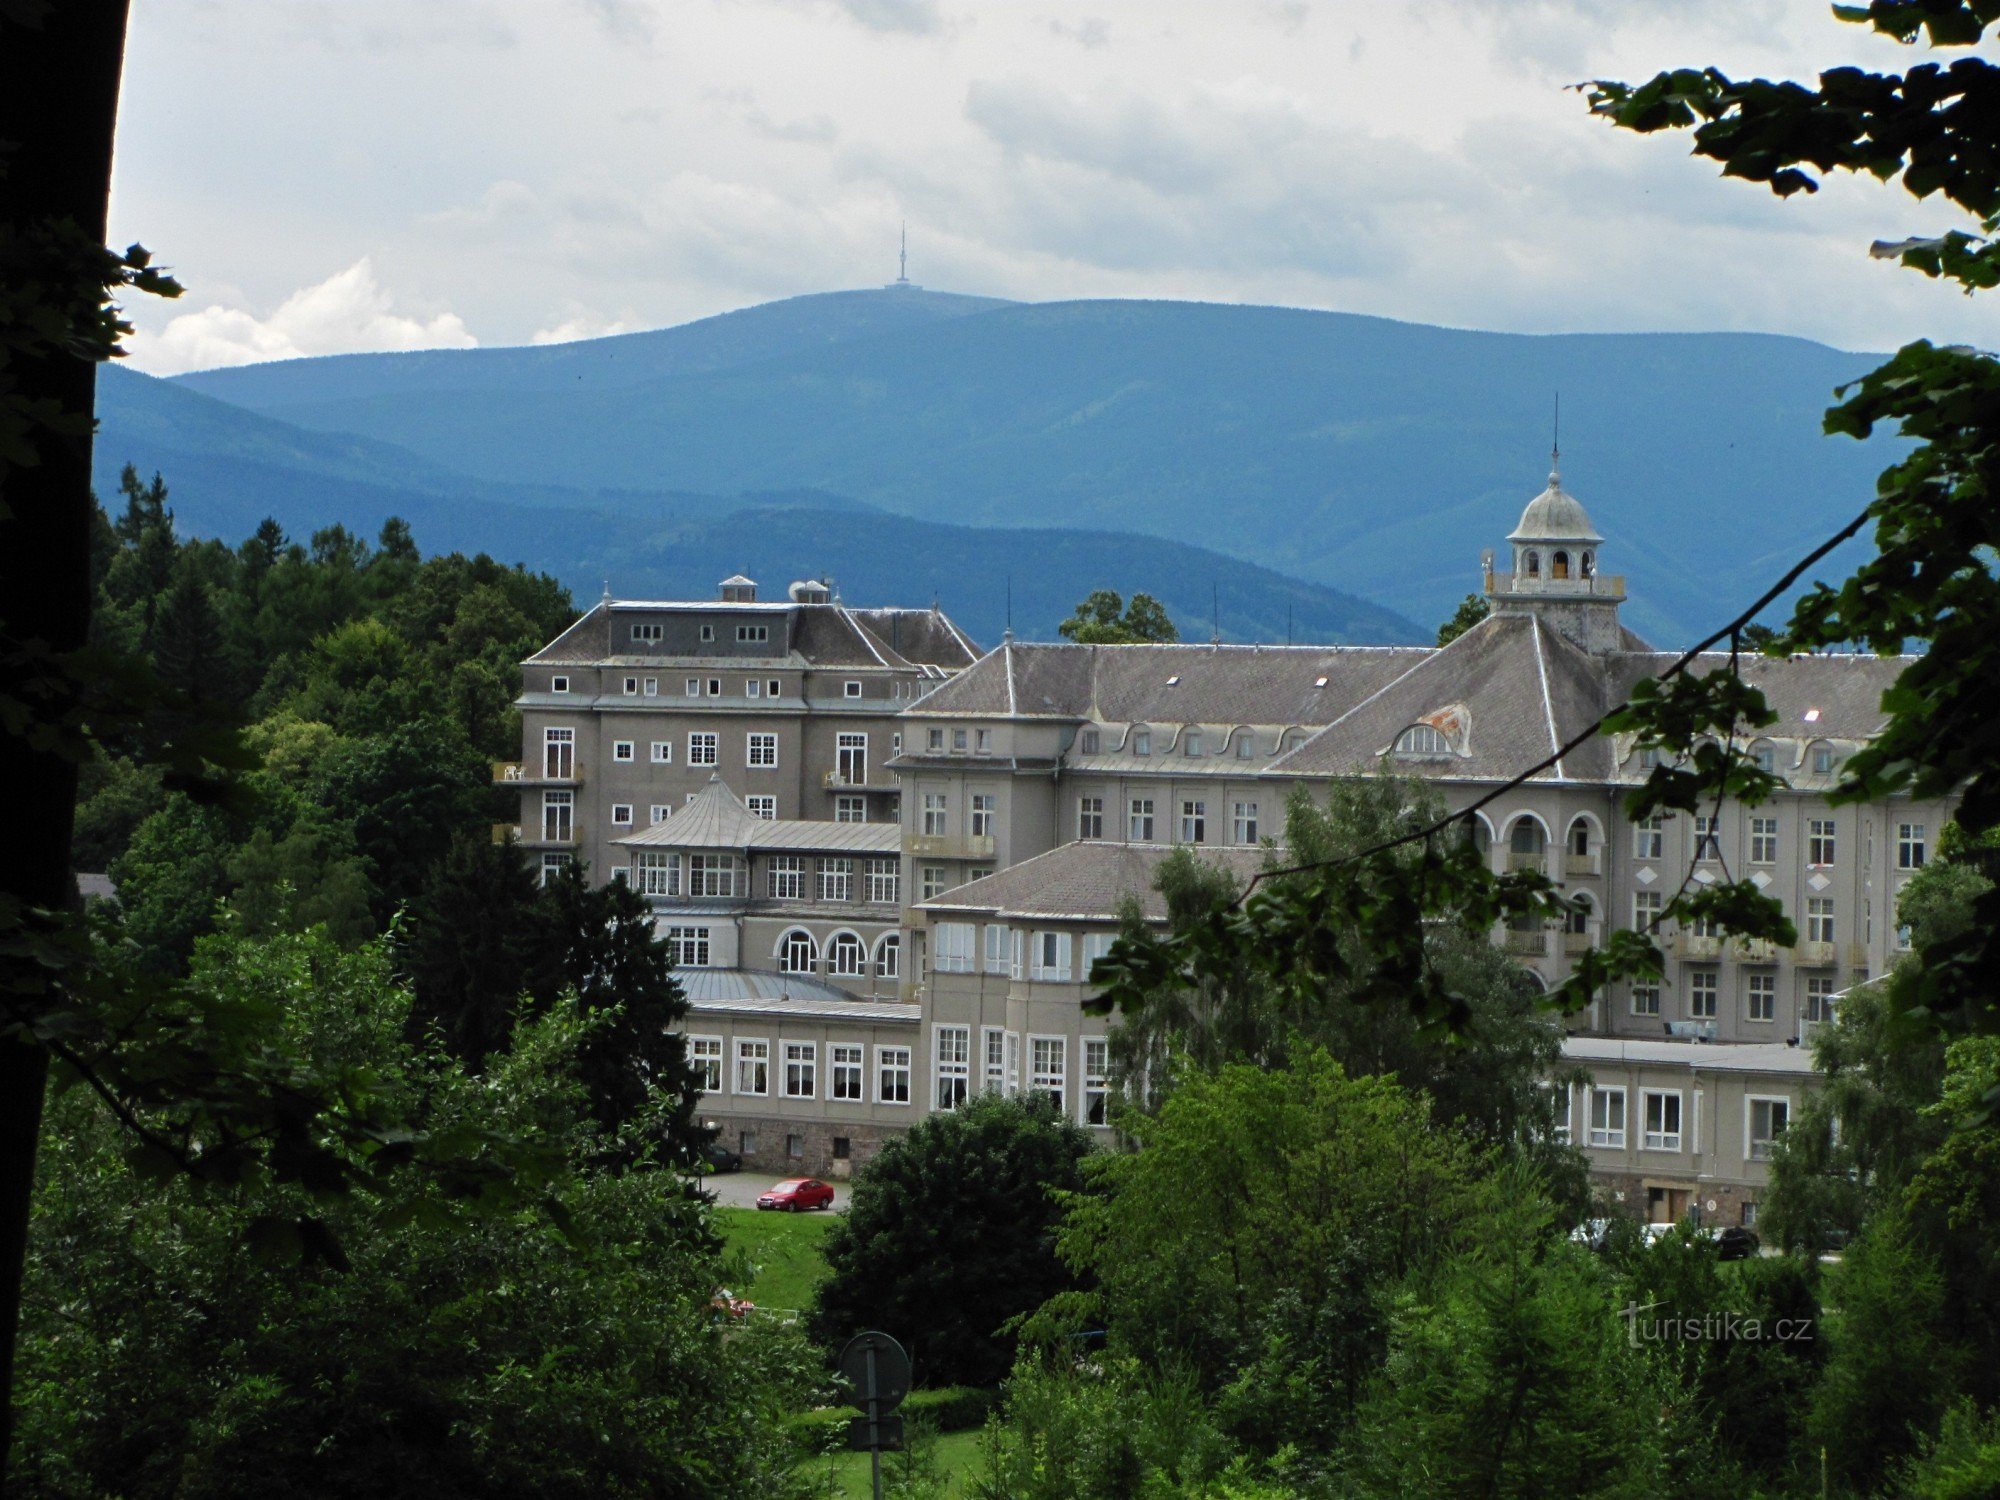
(771, 1141)
(1734, 1201)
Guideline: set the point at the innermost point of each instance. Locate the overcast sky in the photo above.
(357, 175)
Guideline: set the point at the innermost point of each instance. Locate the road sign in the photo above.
(876, 1370)
(885, 1432)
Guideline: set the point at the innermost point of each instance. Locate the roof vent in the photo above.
(1319, 682)
(1175, 680)
(809, 591)
(736, 589)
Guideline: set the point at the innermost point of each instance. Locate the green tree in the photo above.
(951, 1235)
(479, 941)
(170, 879)
(1105, 619)
(1471, 610)
(297, 882)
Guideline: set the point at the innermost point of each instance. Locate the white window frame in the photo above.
(753, 1061)
(1820, 912)
(1194, 820)
(1139, 820)
(884, 881)
(1090, 817)
(996, 953)
(558, 817)
(835, 880)
(702, 748)
(713, 876)
(801, 1064)
(847, 1067)
(1760, 984)
(951, 1063)
(1605, 1137)
(1094, 1098)
(706, 1061)
(951, 947)
(1763, 1150)
(993, 1059)
(1661, 1139)
(690, 947)
(936, 814)
(850, 809)
(846, 955)
(785, 877)
(760, 751)
(1050, 1080)
(892, 1075)
(623, 751)
(764, 805)
(1822, 843)
(1243, 824)
(621, 815)
(1051, 957)
(850, 688)
(1912, 848)
(797, 952)
(984, 811)
(889, 956)
(663, 752)
(1763, 841)
(659, 872)
(1704, 988)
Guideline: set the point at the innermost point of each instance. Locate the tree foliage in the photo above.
(951, 1235)
(1471, 610)
(1105, 619)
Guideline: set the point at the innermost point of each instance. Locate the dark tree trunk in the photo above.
(58, 105)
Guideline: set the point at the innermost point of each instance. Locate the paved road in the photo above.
(740, 1189)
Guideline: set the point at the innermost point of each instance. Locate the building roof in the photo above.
(759, 992)
(1084, 881)
(924, 641)
(1555, 515)
(718, 819)
(1718, 1057)
(1211, 684)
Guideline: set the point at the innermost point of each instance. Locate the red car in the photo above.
(797, 1194)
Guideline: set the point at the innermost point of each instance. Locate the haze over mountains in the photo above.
(1358, 454)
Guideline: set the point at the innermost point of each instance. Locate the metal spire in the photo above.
(1555, 447)
(903, 257)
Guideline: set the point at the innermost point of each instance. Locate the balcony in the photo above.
(1816, 955)
(1694, 946)
(837, 781)
(1857, 955)
(508, 770)
(1597, 586)
(1535, 861)
(523, 774)
(1580, 864)
(952, 845)
(1756, 950)
(502, 832)
(1579, 942)
(1527, 944)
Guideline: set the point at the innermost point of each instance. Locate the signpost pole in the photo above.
(874, 1419)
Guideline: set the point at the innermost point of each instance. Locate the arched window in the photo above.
(1526, 837)
(1589, 568)
(889, 957)
(797, 953)
(1478, 834)
(1531, 563)
(1577, 919)
(1764, 756)
(1559, 565)
(1422, 739)
(845, 956)
(1579, 838)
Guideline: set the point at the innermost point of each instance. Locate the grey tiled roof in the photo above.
(717, 819)
(1170, 684)
(588, 640)
(783, 996)
(825, 635)
(1084, 881)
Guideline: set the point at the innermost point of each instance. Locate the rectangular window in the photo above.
(850, 753)
(1194, 822)
(652, 687)
(998, 953)
(1649, 838)
(760, 751)
(851, 689)
(705, 1058)
(843, 1061)
(687, 947)
(648, 632)
(1820, 1003)
(1819, 919)
(1707, 839)
(1052, 956)
(936, 811)
(753, 688)
(659, 812)
(1096, 1081)
(1049, 1061)
(694, 687)
(1909, 846)
(952, 953)
(1607, 1118)
(559, 755)
(1704, 986)
(1244, 823)
(659, 873)
(764, 806)
(631, 687)
(1090, 817)
(711, 875)
(932, 881)
(621, 750)
(752, 634)
(1760, 997)
(1142, 742)
(954, 1066)
(774, 689)
(1090, 742)
(982, 742)
(1191, 742)
(786, 877)
(1662, 1110)
(1561, 1101)
(1246, 745)
(715, 687)
(552, 867)
(557, 810)
(663, 752)
(1767, 1121)
(559, 684)
(982, 815)
(1763, 841)
(1095, 946)
(882, 881)
(993, 1052)
(701, 750)
(1646, 909)
(958, 742)
(753, 1066)
(801, 1070)
(892, 1075)
(836, 880)
(1820, 845)
(621, 815)
(850, 809)
(1139, 824)
(1645, 997)
(934, 741)
(1013, 1086)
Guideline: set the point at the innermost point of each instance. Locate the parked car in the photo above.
(797, 1194)
(720, 1158)
(1735, 1242)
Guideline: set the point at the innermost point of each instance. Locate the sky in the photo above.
(327, 176)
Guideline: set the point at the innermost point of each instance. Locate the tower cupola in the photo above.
(1556, 574)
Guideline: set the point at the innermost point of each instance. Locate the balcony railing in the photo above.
(526, 773)
(1756, 950)
(1532, 944)
(1597, 586)
(1579, 864)
(952, 845)
(1816, 955)
(502, 832)
(1857, 955)
(1579, 942)
(508, 770)
(839, 781)
(1535, 861)
(1694, 945)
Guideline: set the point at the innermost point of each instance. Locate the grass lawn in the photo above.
(784, 1249)
(957, 1456)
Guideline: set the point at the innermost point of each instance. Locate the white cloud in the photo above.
(344, 314)
(582, 323)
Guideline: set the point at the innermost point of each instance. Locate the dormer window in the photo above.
(1142, 742)
(1091, 741)
(1191, 745)
(1422, 740)
(647, 632)
(1246, 745)
(1764, 756)
(559, 684)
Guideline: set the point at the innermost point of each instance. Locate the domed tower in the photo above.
(1556, 574)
